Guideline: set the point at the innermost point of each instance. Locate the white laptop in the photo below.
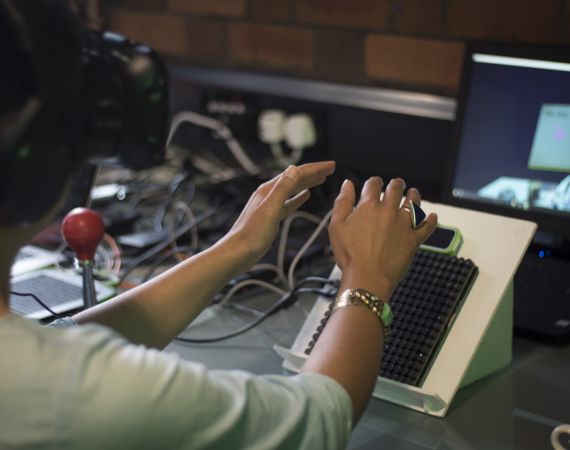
(61, 290)
(32, 258)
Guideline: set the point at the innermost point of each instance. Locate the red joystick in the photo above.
(83, 229)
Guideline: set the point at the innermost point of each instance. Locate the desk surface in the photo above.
(516, 408)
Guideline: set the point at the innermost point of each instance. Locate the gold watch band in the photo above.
(361, 297)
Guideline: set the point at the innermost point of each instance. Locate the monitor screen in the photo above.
(512, 148)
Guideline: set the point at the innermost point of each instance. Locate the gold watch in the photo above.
(356, 297)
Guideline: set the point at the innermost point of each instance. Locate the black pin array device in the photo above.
(424, 305)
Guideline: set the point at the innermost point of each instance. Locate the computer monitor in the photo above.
(511, 156)
(511, 152)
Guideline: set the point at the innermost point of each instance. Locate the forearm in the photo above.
(373, 243)
(350, 347)
(156, 312)
(349, 352)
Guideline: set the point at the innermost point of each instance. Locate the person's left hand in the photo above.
(258, 224)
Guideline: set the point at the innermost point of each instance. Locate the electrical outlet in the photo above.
(300, 132)
(260, 122)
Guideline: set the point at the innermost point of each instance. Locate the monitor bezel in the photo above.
(553, 224)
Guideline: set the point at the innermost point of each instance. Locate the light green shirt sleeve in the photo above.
(125, 396)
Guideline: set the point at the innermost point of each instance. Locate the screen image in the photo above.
(514, 149)
(550, 147)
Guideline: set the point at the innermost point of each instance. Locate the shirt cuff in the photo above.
(64, 322)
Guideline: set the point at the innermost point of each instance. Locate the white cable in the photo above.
(216, 164)
(277, 152)
(272, 267)
(245, 283)
(285, 235)
(299, 255)
(295, 155)
(264, 266)
(211, 170)
(239, 154)
(117, 255)
(220, 129)
(59, 252)
(286, 161)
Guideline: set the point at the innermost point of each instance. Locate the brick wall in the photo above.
(411, 44)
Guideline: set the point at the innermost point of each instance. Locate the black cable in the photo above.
(287, 299)
(36, 298)
(256, 322)
(173, 188)
(232, 206)
(161, 245)
(249, 276)
(241, 308)
(326, 281)
(303, 281)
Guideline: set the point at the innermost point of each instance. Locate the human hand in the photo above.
(258, 224)
(374, 242)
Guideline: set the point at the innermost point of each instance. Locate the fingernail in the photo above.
(292, 172)
(345, 184)
(399, 179)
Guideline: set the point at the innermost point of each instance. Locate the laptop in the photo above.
(511, 156)
(59, 289)
(30, 258)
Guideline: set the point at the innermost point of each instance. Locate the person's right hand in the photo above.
(258, 224)
(374, 242)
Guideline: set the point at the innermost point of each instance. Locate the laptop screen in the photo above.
(513, 149)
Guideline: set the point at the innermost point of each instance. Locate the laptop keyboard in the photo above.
(51, 291)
